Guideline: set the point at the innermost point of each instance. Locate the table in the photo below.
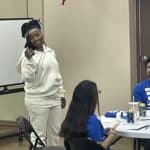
(130, 130)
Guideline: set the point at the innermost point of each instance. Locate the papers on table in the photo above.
(138, 125)
(108, 122)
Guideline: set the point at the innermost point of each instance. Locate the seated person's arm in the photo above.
(96, 132)
(111, 136)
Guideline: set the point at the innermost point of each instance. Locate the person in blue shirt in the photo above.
(81, 120)
(141, 93)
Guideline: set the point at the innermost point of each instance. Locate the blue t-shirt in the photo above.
(141, 92)
(95, 129)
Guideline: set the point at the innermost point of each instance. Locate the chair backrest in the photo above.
(26, 128)
(82, 144)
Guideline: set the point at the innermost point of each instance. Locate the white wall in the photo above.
(91, 39)
(13, 8)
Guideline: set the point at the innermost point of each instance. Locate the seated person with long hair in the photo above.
(81, 120)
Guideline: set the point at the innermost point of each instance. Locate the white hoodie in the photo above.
(41, 74)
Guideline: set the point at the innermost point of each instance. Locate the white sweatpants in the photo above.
(46, 122)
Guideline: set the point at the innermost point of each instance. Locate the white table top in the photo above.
(127, 129)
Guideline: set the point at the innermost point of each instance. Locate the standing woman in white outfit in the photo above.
(43, 84)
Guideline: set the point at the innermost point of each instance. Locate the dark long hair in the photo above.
(83, 104)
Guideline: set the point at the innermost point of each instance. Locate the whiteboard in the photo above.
(11, 47)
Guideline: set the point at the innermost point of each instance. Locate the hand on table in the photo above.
(113, 128)
(115, 125)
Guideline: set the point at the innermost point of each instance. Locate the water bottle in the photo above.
(130, 116)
